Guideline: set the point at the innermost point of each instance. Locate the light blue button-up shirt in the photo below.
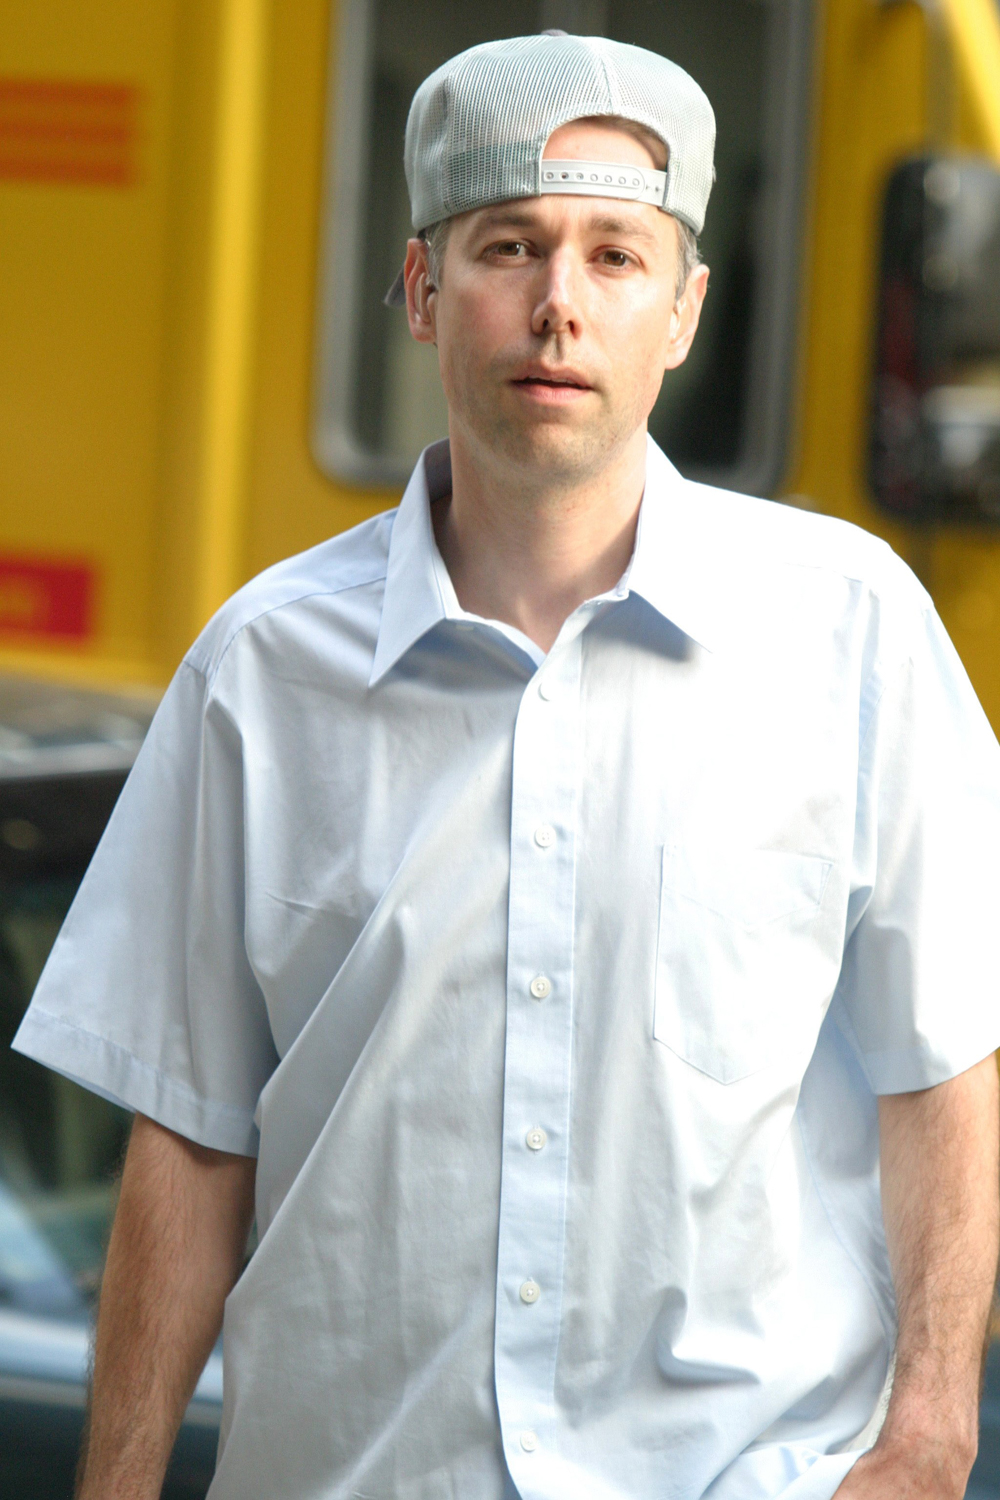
(555, 993)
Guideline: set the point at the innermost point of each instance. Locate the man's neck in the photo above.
(527, 551)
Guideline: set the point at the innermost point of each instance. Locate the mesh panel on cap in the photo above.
(478, 125)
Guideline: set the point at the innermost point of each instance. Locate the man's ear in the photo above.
(421, 293)
(685, 316)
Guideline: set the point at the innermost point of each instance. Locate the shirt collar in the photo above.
(677, 566)
(413, 601)
(673, 567)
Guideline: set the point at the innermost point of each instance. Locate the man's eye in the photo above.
(616, 258)
(512, 249)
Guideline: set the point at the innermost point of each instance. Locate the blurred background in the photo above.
(202, 204)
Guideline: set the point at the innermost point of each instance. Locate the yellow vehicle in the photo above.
(201, 205)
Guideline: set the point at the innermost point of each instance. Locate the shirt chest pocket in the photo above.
(740, 972)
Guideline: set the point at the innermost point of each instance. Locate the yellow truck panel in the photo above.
(81, 312)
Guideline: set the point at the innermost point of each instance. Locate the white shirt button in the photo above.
(545, 688)
(545, 836)
(536, 1138)
(530, 1292)
(529, 1441)
(541, 988)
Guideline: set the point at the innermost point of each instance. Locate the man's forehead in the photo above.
(621, 140)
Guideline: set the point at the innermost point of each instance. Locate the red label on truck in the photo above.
(46, 598)
(63, 130)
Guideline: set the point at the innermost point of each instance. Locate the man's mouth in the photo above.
(577, 385)
(543, 386)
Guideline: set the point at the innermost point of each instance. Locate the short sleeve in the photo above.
(919, 994)
(148, 996)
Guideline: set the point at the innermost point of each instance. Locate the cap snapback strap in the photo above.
(603, 179)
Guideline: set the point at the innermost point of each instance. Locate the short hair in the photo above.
(435, 236)
(688, 257)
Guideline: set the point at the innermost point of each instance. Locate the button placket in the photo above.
(544, 795)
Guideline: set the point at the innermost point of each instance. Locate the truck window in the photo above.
(723, 415)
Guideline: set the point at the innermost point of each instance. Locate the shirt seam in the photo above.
(819, 565)
(842, 1020)
(866, 731)
(887, 1327)
(175, 1085)
(858, 575)
(852, 575)
(209, 673)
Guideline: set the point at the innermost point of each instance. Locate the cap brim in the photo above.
(396, 295)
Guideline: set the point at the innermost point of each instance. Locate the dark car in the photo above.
(64, 756)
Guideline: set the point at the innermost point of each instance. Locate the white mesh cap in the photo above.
(477, 127)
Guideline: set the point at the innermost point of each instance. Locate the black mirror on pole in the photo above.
(935, 436)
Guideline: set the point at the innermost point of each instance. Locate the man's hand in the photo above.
(939, 1154)
(176, 1249)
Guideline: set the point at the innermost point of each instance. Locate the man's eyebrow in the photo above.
(527, 220)
(505, 218)
(612, 224)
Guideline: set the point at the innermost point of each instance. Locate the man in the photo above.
(569, 887)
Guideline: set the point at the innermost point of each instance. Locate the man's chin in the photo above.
(567, 449)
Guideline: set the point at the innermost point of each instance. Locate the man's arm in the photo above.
(176, 1249)
(939, 1153)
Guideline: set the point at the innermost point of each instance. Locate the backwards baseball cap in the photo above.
(478, 126)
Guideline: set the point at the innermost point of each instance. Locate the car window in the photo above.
(723, 415)
(59, 1143)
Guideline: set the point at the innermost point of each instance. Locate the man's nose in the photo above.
(558, 307)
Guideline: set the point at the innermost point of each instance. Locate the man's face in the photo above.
(555, 318)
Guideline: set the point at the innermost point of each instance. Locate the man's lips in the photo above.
(552, 386)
